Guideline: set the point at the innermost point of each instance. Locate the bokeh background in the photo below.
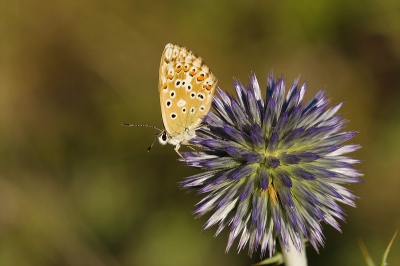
(76, 188)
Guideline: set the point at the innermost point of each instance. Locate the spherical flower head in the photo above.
(273, 168)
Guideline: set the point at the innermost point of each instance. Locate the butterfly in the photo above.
(186, 86)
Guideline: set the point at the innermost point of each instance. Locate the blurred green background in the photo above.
(76, 188)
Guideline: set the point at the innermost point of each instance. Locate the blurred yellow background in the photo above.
(76, 188)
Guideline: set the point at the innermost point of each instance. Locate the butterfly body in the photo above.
(186, 86)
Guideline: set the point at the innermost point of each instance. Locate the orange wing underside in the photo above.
(186, 87)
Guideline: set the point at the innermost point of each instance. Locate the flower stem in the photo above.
(291, 256)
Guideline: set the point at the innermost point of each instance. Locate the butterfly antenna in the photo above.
(140, 125)
(151, 146)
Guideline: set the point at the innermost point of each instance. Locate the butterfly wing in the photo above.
(186, 87)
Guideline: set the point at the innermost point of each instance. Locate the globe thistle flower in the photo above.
(274, 168)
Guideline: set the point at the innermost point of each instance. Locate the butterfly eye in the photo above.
(163, 138)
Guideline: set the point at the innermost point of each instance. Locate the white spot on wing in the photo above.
(168, 51)
(197, 62)
(175, 52)
(181, 103)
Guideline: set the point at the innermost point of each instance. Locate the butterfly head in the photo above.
(163, 137)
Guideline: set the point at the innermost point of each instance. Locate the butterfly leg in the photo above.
(193, 149)
(191, 146)
(177, 146)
